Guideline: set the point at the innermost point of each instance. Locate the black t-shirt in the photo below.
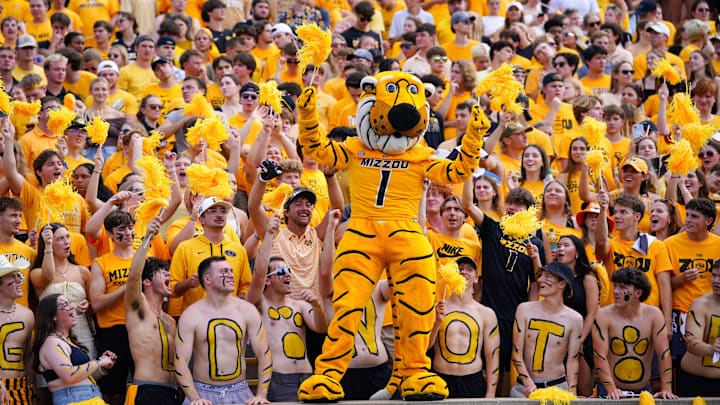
(352, 36)
(434, 135)
(220, 38)
(507, 270)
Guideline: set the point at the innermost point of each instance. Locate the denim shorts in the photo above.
(77, 393)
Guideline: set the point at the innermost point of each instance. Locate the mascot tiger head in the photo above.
(392, 114)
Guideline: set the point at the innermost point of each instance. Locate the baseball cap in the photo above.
(561, 270)
(638, 164)
(552, 77)
(593, 208)
(212, 202)
(143, 37)
(250, 87)
(514, 4)
(6, 267)
(107, 65)
(466, 259)
(660, 28)
(77, 123)
(649, 124)
(26, 40)
(158, 60)
(281, 28)
(301, 192)
(165, 41)
(645, 7)
(513, 128)
(459, 16)
(362, 53)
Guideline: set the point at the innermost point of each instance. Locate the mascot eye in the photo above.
(412, 89)
(391, 87)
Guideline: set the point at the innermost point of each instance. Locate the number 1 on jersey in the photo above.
(382, 187)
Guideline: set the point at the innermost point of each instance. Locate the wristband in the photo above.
(327, 176)
(256, 236)
(171, 171)
(48, 251)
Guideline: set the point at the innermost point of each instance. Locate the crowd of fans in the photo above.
(137, 64)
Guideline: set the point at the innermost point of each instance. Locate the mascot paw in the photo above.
(381, 395)
(320, 388)
(479, 121)
(307, 102)
(424, 387)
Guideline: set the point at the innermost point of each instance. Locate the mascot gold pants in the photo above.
(386, 171)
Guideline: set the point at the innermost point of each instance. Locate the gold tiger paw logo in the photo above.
(630, 369)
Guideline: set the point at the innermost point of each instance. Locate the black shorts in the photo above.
(677, 344)
(151, 394)
(284, 387)
(690, 385)
(506, 336)
(465, 386)
(115, 339)
(360, 383)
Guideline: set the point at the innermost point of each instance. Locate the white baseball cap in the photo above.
(107, 65)
(659, 28)
(212, 202)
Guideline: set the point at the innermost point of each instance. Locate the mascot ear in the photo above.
(429, 89)
(368, 84)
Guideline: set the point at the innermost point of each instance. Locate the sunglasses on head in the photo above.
(279, 272)
(708, 153)
(247, 96)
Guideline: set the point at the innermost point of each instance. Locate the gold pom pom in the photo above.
(212, 130)
(682, 158)
(503, 88)
(699, 401)
(646, 398)
(276, 198)
(553, 394)
(6, 107)
(199, 107)
(449, 278)
(682, 110)
(208, 182)
(69, 102)
(59, 120)
(145, 213)
(664, 70)
(594, 130)
(97, 130)
(595, 159)
(151, 143)
(316, 46)
(58, 198)
(521, 225)
(157, 180)
(24, 109)
(697, 135)
(270, 95)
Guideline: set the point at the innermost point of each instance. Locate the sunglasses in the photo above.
(155, 106)
(594, 24)
(53, 107)
(709, 153)
(627, 72)
(279, 272)
(702, 10)
(293, 61)
(406, 46)
(559, 64)
(568, 34)
(440, 59)
(124, 131)
(247, 96)
(365, 19)
(114, 55)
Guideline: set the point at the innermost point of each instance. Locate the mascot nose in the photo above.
(404, 116)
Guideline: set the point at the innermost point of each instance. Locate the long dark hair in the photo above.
(41, 247)
(543, 167)
(103, 193)
(45, 325)
(582, 264)
(571, 166)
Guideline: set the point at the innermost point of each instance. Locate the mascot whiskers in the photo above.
(386, 171)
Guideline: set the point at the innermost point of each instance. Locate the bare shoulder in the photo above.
(703, 303)
(487, 313)
(650, 312)
(604, 313)
(24, 314)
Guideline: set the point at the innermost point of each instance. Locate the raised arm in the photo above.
(257, 284)
(93, 228)
(133, 286)
(602, 243)
(494, 138)
(337, 201)
(491, 348)
(258, 150)
(315, 144)
(48, 267)
(176, 194)
(92, 189)
(327, 256)
(14, 179)
(473, 211)
(257, 214)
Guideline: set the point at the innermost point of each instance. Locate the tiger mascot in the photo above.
(386, 171)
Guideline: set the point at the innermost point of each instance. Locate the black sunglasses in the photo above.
(559, 64)
(708, 153)
(249, 96)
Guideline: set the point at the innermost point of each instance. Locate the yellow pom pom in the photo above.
(212, 130)
(199, 107)
(6, 107)
(97, 130)
(682, 158)
(60, 120)
(59, 198)
(603, 283)
(521, 225)
(503, 89)
(316, 45)
(276, 198)
(682, 110)
(69, 102)
(145, 213)
(595, 159)
(270, 95)
(553, 394)
(157, 180)
(24, 109)
(697, 135)
(664, 70)
(208, 182)
(699, 401)
(646, 398)
(151, 143)
(594, 130)
(449, 277)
